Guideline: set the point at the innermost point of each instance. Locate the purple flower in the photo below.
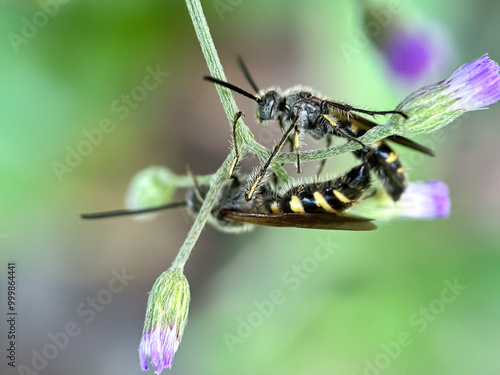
(425, 200)
(421, 200)
(473, 86)
(476, 84)
(409, 54)
(417, 53)
(166, 318)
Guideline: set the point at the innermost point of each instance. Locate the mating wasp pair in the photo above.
(317, 205)
(299, 110)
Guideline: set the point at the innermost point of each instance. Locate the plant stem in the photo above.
(244, 136)
(216, 182)
(217, 71)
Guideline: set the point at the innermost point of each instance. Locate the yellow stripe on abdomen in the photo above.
(296, 205)
(275, 208)
(392, 157)
(321, 202)
(341, 197)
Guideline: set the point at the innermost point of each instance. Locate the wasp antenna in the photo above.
(372, 113)
(246, 72)
(232, 87)
(385, 113)
(105, 214)
(402, 114)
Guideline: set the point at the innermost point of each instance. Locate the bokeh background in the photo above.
(344, 314)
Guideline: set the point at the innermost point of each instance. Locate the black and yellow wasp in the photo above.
(299, 110)
(315, 205)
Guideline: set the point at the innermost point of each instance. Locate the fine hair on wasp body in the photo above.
(299, 110)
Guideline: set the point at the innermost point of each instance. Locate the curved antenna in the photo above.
(232, 87)
(106, 214)
(246, 72)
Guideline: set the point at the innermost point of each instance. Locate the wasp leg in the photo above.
(323, 162)
(296, 146)
(290, 140)
(262, 172)
(235, 142)
(346, 109)
(343, 133)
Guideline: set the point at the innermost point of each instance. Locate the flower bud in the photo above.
(150, 188)
(166, 318)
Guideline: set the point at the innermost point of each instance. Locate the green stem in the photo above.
(216, 182)
(211, 56)
(244, 136)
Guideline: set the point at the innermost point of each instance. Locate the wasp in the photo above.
(315, 205)
(300, 110)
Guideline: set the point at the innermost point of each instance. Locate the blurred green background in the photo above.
(343, 314)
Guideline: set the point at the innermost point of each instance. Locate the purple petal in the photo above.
(426, 200)
(143, 357)
(160, 346)
(476, 84)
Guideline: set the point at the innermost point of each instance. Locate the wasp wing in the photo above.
(410, 144)
(365, 124)
(302, 220)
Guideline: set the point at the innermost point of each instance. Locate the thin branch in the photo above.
(217, 180)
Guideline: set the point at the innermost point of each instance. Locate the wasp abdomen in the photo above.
(333, 196)
(382, 159)
(386, 165)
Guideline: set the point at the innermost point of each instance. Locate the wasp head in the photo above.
(269, 106)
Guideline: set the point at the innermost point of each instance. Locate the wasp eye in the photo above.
(269, 107)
